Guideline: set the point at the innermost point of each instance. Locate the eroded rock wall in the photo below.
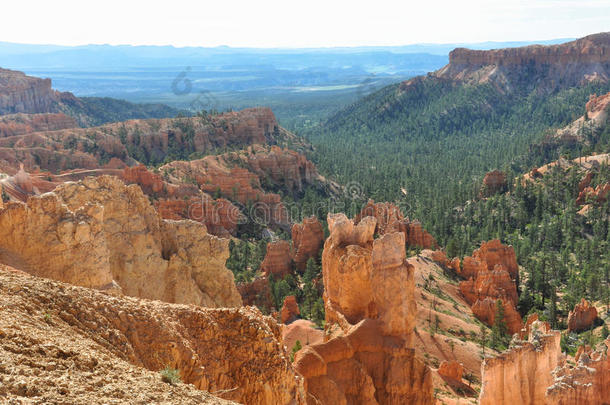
(101, 233)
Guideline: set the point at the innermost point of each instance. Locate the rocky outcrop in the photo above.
(535, 372)
(554, 66)
(597, 195)
(370, 314)
(48, 327)
(277, 261)
(485, 311)
(25, 94)
(286, 167)
(290, 310)
(256, 292)
(20, 124)
(586, 383)
(150, 141)
(492, 253)
(214, 175)
(101, 233)
(307, 239)
(582, 317)
(492, 274)
(494, 182)
(522, 374)
(494, 284)
(451, 370)
(390, 219)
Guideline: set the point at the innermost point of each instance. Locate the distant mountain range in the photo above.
(29, 56)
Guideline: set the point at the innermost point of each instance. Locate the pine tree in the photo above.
(499, 332)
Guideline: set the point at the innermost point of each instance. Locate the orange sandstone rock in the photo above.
(290, 310)
(492, 284)
(278, 261)
(598, 194)
(307, 238)
(494, 182)
(451, 370)
(554, 66)
(100, 233)
(302, 330)
(584, 384)
(492, 274)
(390, 219)
(257, 292)
(582, 317)
(20, 124)
(522, 374)
(485, 311)
(370, 311)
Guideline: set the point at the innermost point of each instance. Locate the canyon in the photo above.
(120, 248)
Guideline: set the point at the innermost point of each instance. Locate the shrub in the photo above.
(170, 375)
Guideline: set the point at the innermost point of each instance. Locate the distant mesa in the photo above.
(544, 67)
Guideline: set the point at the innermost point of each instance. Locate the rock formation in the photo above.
(290, 310)
(587, 383)
(494, 284)
(101, 233)
(522, 375)
(493, 253)
(494, 182)
(492, 274)
(25, 94)
(598, 194)
(286, 167)
(485, 311)
(451, 370)
(390, 219)
(257, 292)
(535, 372)
(20, 124)
(555, 66)
(370, 314)
(307, 238)
(47, 328)
(582, 317)
(278, 261)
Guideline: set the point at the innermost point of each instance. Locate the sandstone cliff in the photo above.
(49, 328)
(522, 375)
(100, 233)
(25, 94)
(586, 383)
(535, 372)
(554, 66)
(370, 314)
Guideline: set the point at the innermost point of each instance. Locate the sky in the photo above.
(297, 24)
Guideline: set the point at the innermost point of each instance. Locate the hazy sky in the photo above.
(304, 23)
